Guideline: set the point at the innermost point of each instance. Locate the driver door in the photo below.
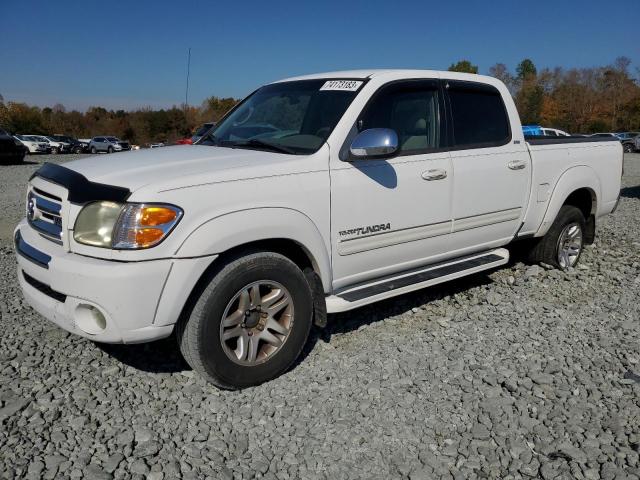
(393, 214)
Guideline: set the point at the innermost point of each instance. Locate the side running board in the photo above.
(387, 287)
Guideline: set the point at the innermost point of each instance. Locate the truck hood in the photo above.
(136, 169)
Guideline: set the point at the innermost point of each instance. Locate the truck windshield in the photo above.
(290, 117)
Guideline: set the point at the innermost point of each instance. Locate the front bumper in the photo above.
(139, 301)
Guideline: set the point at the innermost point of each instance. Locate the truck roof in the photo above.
(395, 73)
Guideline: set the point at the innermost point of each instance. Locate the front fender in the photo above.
(237, 228)
(573, 179)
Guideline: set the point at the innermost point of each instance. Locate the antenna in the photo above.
(186, 93)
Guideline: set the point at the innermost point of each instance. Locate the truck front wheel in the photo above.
(250, 322)
(562, 245)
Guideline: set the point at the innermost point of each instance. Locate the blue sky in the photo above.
(127, 54)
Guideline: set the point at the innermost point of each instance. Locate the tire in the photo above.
(110, 150)
(55, 150)
(93, 150)
(563, 244)
(200, 331)
(77, 150)
(628, 148)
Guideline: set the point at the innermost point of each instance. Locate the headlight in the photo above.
(125, 226)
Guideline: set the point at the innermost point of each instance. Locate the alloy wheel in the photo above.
(257, 322)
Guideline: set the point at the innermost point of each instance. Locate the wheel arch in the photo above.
(282, 230)
(578, 186)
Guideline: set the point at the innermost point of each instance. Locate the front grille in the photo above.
(44, 214)
(44, 288)
(48, 195)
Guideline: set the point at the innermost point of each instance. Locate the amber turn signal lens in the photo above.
(152, 216)
(148, 236)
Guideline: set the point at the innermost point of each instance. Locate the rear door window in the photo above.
(479, 117)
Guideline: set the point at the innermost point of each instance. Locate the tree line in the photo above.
(578, 100)
(140, 127)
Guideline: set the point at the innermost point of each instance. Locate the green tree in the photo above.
(21, 118)
(464, 66)
(529, 96)
(214, 108)
(526, 69)
(529, 101)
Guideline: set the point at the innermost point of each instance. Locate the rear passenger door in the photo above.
(491, 171)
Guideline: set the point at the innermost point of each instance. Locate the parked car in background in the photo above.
(33, 145)
(37, 138)
(63, 146)
(56, 147)
(108, 145)
(604, 135)
(11, 149)
(627, 135)
(204, 128)
(554, 132)
(75, 146)
(628, 141)
(184, 141)
(537, 130)
(626, 138)
(156, 145)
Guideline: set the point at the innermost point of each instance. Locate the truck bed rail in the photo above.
(546, 140)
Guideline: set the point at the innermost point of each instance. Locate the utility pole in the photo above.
(186, 93)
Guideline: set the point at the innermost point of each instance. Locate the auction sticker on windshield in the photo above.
(344, 85)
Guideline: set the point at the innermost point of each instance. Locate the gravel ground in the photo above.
(523, 372)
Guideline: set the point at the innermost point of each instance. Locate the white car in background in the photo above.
(32, 144)
(554, 132)
(63, 147)
(56, 147)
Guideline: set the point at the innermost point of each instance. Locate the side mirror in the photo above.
(374, 142)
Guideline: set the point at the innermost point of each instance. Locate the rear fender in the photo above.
(571, 180)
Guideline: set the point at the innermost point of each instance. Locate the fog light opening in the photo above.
(89, 319)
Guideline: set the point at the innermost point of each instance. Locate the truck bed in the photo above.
(595, 163)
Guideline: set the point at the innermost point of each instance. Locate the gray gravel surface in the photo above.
(524, 372)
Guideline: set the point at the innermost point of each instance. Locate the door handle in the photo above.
(517, 164)
(435, 174)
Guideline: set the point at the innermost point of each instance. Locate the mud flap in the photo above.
(590, 233)
(319, 304)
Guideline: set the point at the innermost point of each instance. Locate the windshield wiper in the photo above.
(256, 142)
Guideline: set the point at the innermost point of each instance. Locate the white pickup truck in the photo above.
(314, 195)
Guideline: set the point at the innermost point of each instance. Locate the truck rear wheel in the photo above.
(563, 243)
(250, 322)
